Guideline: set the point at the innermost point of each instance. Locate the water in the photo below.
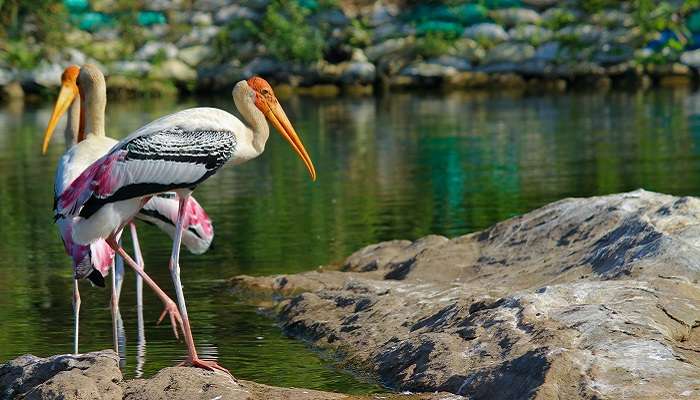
(399, 166)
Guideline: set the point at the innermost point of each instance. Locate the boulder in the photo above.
(198, 35)
(486, 32)
(46, 74)
(587, 298)
(194, 55)
(152, 49)
(173, 70)
(388, 47)
(531, 34)
(201, 18)
(469, 49)
(130, 68)
(515, 16)
(691, 58)
(234, 12)
(358, 72)
(509, 52)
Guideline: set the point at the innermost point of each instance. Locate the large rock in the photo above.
(509, 52)
(174, 70)
(584, 298)
(515, 16)
(150, 50)
(486, 32)
(96, 375)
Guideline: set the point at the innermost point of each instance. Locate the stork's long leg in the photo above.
(192, 358)
(76, 315)
(169, 304)
(139, 261)
(114, 307)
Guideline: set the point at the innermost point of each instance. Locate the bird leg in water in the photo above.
(76, 315)
(169, 304)
(114, 307)
(192, 358)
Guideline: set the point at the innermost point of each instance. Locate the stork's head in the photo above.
(263, 98)
(69, 90)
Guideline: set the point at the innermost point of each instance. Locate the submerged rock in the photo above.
(583, 298)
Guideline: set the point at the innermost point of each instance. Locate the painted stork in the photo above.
(174, 153)
(93, 260)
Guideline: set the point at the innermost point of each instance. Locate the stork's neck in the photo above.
(73, 123)
(94, 103)
(259, 130)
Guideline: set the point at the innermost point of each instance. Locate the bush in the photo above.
(286, 33)
(434, 45)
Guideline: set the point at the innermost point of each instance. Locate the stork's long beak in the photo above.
(65, 98)
(280, 121)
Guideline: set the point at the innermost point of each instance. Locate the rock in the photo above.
(201, 18)
(358, 72)
(174, 70)
(541, 3)
(458, 63)
(427, 71)
(612, 18)
(509, 52)
(130, 68)
(234, 12)
(388, 47)
(392, 30)
(6, 76)
(261, 66)
(333, 17)
(194, 55)
(46, 74)
(382, 14)
(585, 33)
(358, 55)
(219, 77)
(615, 54)
(198, 35)
(12, 91)
(531, 34)
(548, 52)
(691, 58)
(582, 298)
(515, 16)
(151, 50)
(469, 49)
(486, 32)
(84, 376)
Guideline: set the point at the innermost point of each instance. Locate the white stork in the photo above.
(174, 153)
(93, 260)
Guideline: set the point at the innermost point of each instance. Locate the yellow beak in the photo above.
(280, 121)
(65, 98)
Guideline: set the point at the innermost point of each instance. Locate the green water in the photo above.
(399, 166)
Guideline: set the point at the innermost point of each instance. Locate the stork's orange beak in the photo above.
(69, 90)
(279, 120)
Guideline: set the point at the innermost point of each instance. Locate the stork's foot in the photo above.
(175, 318)
(209, 365)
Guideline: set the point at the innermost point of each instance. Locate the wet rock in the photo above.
(548, 52)
(509, 52)
(582, 298)
(531, 34)
(152, 49)
(358, 72)
(486, 32)
(388, 47)
(423, 72)
(515, 16)
(469, 49)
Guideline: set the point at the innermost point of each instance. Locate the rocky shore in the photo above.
(329, 47)
(592, 298)
(94, 376)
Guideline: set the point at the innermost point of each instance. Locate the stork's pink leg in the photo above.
(76, 315)
(169, 304)
(114, 307)
(192, 358)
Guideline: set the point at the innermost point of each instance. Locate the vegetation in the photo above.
(434, 44)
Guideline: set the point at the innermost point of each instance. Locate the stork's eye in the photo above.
(265, 92)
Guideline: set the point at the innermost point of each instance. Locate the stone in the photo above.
(548, 52)
(509, 52)
(220, 77)
(235, 12)
(333, 17)
(12, 91)
(469, 49)
(6, 76)
(585, 33)
(130, 68)
(261, 66)
(515, 16)
(194, 55)
(46, 74)
(424, 70)
(388, 47)
(458, 63)
(691, 58)
(582, 298)
(358, 72)
(201, 18)
(198, 35)
(613, 54)
(174, 70)
(152, 49)
(531, 34)
(486, 32)
(392, 30)
(612, 18)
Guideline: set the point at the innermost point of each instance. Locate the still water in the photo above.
(398, 166)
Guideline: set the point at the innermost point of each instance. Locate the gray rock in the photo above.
(358, 72)
(235, 12)
(130, 68)
(458, 63)
(46, 74)
(582, 298)
(392, 30)
(198, 35)
(173, 70)
(219, 77)
(424, 70)
(612, 18)
(548, 52)
(583, 33)
(152, 49)
(469, 49)
(333, 17)
(486, 31)
(6, 76)
(201, 18)
(515, 16)
(194, 55)
(691, 58)
(261, 66)
(509, 52)
(382, 14)
(613, 54)
(531, 34)
(388, 47)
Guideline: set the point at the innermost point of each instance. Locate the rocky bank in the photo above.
(593, 298)
(96, 376)
(325, 47)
